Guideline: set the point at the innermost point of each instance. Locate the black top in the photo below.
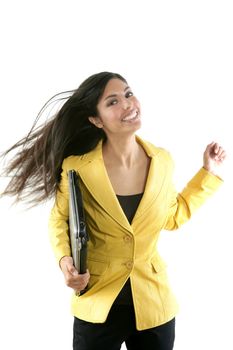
(129, 205)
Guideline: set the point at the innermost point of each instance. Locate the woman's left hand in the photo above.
(213, 157)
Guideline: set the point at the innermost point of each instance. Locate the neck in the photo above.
(123, 152)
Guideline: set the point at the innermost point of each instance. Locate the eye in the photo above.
(128, 94)
(112, 102)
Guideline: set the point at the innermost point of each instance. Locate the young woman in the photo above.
(128, 195)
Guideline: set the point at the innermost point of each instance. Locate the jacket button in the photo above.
(127, 239)
(129, 265)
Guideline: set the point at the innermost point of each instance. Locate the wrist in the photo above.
(213, 172)
(64, 260)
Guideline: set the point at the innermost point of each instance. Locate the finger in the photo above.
(220, 150)
(79, 282)
(210, 148)
(81, 279)
(87, 274)
(216, 148)
(85, 279)
(77, 285)
(217, 152)
(73, 270)
(210, 145)
(222, 155)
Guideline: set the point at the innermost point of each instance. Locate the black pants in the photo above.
(119, 328)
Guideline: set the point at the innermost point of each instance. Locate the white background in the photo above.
(177, 57)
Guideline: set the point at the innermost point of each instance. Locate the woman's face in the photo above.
(118, 109)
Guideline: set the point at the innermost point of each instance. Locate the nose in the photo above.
(126, 104)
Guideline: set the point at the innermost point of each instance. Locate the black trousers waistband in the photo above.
(119, 328)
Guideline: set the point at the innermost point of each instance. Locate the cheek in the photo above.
(107, 117)
(136, 103)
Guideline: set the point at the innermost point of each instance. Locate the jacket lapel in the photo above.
(153, 186)
(94, 176)
(155, 178)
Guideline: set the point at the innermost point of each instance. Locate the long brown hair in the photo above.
(36, 168)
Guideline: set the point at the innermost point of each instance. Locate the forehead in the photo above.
(114, 86)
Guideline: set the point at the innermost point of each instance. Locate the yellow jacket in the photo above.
(116, 249)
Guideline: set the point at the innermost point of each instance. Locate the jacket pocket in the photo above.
(97, 269)
(158, 264)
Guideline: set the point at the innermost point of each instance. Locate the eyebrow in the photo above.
(114, 95)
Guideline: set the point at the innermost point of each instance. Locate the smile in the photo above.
(132, 116)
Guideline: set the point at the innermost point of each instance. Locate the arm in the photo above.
(202, 186)
(58, 220)
(59, 236)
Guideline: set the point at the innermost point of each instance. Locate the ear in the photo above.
(96, 121)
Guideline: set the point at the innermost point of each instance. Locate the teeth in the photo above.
(131, 116)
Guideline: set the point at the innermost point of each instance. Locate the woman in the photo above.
(126, 183)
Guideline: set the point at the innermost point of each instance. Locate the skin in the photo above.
(126, 162)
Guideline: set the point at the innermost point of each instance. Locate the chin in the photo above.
(138, 125)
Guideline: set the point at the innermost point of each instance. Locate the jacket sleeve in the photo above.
(58, 220)
(182, 205)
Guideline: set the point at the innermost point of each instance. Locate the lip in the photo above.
(131, 116)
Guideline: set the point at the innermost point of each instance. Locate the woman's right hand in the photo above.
(72, 278)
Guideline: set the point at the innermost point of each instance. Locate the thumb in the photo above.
(73, 270)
